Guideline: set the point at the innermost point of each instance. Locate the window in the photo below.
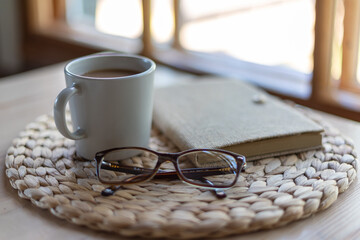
(338, 77)
(121, 18)
(267, 42)
(305, 50)
(271, 33)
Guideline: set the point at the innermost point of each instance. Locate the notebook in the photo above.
(235, 116)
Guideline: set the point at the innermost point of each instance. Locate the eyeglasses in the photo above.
(206, 168)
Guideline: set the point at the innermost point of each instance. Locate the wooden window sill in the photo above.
(88, 37)
(278, 81)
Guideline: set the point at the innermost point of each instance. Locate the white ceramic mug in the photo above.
(106, 112)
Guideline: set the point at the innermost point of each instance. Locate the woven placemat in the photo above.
(41, 165)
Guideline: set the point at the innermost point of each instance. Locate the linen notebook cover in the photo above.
(223, 114)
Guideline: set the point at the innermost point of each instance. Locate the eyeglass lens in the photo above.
(127, 165)
(208, 168)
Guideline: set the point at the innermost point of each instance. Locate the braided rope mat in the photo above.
(272, 192)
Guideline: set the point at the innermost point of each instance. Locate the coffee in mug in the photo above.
(110, 97)
(110, 73)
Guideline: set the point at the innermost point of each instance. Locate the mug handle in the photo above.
(59, 113)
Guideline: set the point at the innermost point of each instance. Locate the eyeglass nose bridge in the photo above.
(166, 157)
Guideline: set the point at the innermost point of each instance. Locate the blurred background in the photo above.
(303, 50)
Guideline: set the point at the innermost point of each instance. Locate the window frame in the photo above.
(47, 19)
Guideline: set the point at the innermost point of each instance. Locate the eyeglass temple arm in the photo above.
(110, 190)
(191, 172)
(218, 192)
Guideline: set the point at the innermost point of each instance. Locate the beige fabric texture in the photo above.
(272, 192)
(223, 113)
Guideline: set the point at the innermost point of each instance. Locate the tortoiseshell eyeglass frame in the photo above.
(146, 174)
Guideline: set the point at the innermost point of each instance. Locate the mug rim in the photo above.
(110, 54)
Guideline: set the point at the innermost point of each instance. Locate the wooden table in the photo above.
(25, 96)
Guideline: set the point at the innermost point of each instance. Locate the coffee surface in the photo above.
(110, 73)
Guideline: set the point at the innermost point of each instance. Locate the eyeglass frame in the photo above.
(172, 157)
